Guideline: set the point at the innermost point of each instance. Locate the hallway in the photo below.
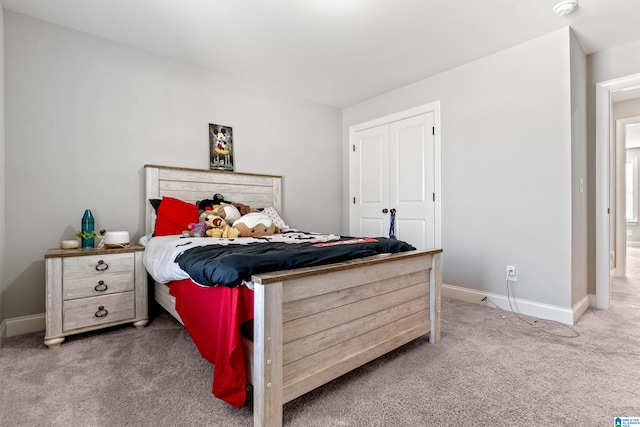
(625, 291)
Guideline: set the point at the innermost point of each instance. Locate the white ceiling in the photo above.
(336, 52)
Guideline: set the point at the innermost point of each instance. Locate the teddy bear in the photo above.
(255, 224)
(227, 212)
(197, 229)
(243, 209)
(218, 227)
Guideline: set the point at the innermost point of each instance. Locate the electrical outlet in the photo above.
(512, 273)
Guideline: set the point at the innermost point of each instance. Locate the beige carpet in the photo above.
(490, 369)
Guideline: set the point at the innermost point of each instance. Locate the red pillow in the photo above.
(174, 215)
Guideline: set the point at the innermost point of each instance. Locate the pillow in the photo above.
(174, 216)
(155, 203)
(275, 217)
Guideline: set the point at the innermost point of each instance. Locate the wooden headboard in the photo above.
(193, 185)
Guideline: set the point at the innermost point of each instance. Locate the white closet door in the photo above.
(392, 167)
(370, 168)
(412, 180)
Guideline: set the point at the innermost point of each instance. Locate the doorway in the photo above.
(604, 138)
(628, 142)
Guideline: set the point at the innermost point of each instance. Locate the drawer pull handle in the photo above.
(102, 266)
(101, 286)
(101, 311)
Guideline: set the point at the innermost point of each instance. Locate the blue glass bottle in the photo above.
(87, 227)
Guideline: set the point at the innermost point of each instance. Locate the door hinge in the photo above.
(434, 197)
(433, 130)
(354, 148)
(354, 200)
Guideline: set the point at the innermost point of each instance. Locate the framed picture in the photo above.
(221, 147)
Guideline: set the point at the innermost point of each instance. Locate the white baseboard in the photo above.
(25, 324)
(581, 306)
(568, 316)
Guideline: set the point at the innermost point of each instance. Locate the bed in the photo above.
(313, 324)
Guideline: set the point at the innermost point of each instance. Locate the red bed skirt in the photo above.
(213, 316)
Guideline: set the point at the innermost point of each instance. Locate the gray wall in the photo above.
(579, 189)
(507, 167)
(83, 115)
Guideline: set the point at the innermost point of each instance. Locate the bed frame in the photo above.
(312, 325)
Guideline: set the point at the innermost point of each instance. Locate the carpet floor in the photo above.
(491, 368)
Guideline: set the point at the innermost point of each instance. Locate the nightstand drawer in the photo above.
(97, 275)
(93, 311)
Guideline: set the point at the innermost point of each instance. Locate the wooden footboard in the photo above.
(314, 325)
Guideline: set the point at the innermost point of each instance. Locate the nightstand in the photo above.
(88, 289)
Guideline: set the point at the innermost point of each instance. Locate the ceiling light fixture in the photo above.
(565, 7)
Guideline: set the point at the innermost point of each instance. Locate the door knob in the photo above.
(385, 210)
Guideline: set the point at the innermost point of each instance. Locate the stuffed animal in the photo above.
(218, 227)
(197, 229)
(243, 209)
(255, 224)
(227, 212)
(211, 204)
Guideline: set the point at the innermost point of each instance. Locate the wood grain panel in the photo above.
(80, 313)
(192, 185)
(267, 356)
(311, 372)
(304, 307)
(310, 344)
(142, 291)
(315, 323)
(327, 278)
(80, 276)
(54, 300)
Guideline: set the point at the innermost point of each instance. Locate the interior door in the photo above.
(370, 168)
(392, 168)
(412, 180)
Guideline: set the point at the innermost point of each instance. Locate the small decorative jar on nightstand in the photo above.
(90, 288)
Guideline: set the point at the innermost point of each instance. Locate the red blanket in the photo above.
(213, 316)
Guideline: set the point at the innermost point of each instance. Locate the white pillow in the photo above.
(275, 217)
